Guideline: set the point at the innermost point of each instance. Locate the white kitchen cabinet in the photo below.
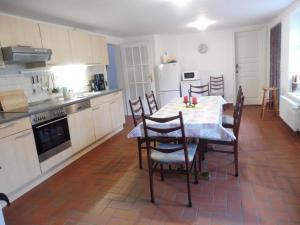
(18, 161)
(7, 166)
(26, 157)
(81, 129)
(99, 50)
(117, 113)
(57, 39)
(15, 31)
(108, 113)
(102, 120)
(81, 47)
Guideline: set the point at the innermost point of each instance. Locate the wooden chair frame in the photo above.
(150, 100)
(203, 89)
(216, 84)
(136, 116)
(152, 165)
(236, 127)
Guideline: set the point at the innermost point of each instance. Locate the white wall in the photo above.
(219, 60)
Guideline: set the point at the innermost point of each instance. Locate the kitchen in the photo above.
(51, 115)
(71, 151)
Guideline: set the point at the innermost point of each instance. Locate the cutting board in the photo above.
(13, 101)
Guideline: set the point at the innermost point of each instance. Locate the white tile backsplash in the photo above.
(17, 77)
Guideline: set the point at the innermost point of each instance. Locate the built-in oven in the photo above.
(51, 132)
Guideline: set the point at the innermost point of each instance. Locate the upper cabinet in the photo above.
(14, 31)
(57, 39)
(99, 50)
(81, 47)
(68, 46)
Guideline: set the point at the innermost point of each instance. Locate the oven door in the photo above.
(51, 137)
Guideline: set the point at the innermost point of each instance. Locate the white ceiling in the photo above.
(141, 17)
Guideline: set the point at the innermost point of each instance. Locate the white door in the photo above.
(250, 64)
(139, 71)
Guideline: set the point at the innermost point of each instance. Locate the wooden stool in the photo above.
(269, 104)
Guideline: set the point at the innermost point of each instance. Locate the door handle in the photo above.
(23, 135)
(236, 68)
(8, 125)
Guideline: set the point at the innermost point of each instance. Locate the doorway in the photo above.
(275, 56)
(112, 74)
(250, 64)
(139, 71)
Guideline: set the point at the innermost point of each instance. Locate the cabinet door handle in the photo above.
(112, 102)
(0, 167)
(94, 109)
(23, 135)
(8, 125)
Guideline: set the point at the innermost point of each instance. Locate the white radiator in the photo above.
(290, 112)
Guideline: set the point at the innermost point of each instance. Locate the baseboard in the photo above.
(29, 186)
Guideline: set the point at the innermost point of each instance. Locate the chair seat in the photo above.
(227, 121)
(174, 157)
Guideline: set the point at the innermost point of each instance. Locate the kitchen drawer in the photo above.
(14, 127)
(106, 98)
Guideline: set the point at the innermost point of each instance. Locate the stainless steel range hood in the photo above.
(25, 55)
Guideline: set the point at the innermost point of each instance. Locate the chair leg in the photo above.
(151, 180)
(140, 154)
(162, 172)
(195, 171)
(200, 153)
(188, 184)
(200, 160)
(236, 163)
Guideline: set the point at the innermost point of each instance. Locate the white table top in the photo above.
(203, 121)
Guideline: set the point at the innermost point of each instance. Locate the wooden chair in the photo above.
(269, 103)
(200, 90)
(168, 151)
(137, 110)
(216, 85)
(227, 121)
(152, 104)
(235, 131)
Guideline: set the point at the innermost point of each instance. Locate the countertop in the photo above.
(52, 104)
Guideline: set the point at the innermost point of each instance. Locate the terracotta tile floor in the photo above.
(106, 186)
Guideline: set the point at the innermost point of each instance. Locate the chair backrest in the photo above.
(203, 89)
(152, 104)
(239, 93)
(164, 135)
(137, 109)
(216, 85)
(238, 111)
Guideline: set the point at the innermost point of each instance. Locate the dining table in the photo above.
(202, 120)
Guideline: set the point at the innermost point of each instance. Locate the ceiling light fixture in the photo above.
(180, 2)
(201, 23)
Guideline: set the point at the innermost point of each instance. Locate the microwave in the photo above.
(190, 75)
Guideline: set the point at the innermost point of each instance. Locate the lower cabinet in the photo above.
(81, 129)
(19, 162)
(116, 110)
(108, 114)
(102, 120)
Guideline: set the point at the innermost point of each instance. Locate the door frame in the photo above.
(125, 71)
(264, 69)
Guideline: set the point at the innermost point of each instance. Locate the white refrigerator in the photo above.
(168, 82)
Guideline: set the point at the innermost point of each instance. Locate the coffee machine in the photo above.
(98, 82)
